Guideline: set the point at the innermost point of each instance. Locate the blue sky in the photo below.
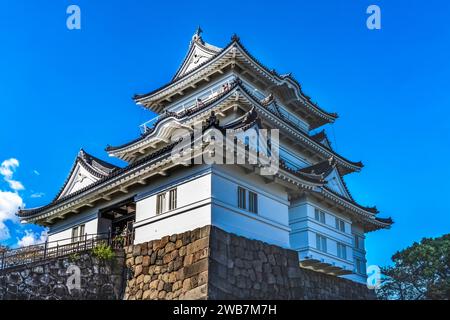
(61, 90)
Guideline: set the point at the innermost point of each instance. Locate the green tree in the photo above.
(419, 272)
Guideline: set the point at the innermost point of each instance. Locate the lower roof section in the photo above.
(159, 163)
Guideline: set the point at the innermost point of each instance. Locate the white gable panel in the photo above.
(79, 179)
(196, 57)
(334, 182)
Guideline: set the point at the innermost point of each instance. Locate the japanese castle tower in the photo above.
(304, 205)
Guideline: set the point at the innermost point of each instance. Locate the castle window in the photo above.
(161, 203)
(172, 199)
(360, 266)
(242, 195)
(82, 228)
(321, 243)
(340, 224)
(342, 250)
(319, 215)
(252, 202)
(359, 242)
(75, 234)
(78, 233)
(165, 203)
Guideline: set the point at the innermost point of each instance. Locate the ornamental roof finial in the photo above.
(235, 37)
(198, 34)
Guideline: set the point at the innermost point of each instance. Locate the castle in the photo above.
(300, 202)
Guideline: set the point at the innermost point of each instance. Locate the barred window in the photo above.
(82, 227)
(252, 202)
(340, 224)
(321, 243)
(342, 250)
(161, 203)
(75, 234)
(242, 195)
(172, 199)
(319, 215)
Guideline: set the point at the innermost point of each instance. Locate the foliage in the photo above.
(3, 248)
(103, 252)
(420, 272)
(74, 257)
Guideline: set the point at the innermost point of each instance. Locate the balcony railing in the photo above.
(196, 101)
(54, 249)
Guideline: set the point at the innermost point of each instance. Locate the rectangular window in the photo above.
(252, 202)
(242, 203)
(359, 242)
(360, 266)
(321, 243)
(82, 228)
(342, 251)
(160, 203)
(340, 224)
(75, 234)
(319, 215)
(172, 199)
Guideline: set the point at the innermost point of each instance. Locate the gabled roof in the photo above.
(322, 138)
(254, 101)
(233, 51)
(86, 169)
(307, 179)
(199, 52)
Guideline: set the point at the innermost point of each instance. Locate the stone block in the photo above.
(137, 250)
(146, 261)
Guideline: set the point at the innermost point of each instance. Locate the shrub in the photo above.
(103, 252)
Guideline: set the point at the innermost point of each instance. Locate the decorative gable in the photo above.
(79, 179)
(199, 52)
(336, 184)
(85, 171)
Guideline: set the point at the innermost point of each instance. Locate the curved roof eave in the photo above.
(271, 73)
(356, 166)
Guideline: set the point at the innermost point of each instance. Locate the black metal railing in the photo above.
(54, 249)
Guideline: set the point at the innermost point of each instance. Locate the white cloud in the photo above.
(15, 185)
(31, 238)
(9, 204)
(4, 231)
(37, 195)
(7, 169)
(36, 172)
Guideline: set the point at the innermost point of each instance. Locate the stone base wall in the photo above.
(174, 267)
(49, 280)
(240, 268)
(209, 263)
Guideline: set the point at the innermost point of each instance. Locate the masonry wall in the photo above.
(209, 263)
(48, 280)
(240, 268)
(174, 267)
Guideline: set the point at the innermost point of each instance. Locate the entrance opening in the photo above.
(118, 220)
